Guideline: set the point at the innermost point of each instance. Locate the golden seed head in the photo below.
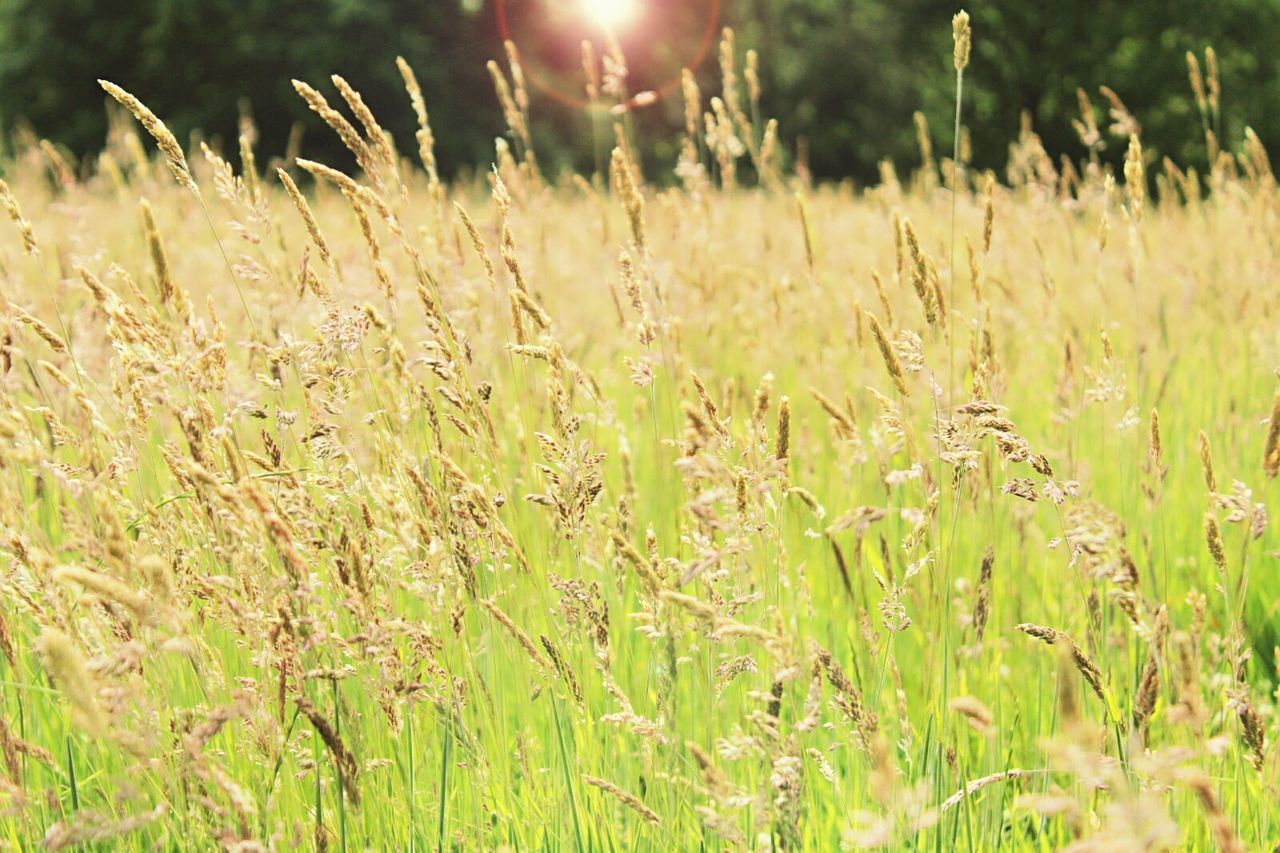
(890, 357)
(66, 667)
(1206, 463)
(1271, 450)
(1213, 538)
(165, 139)
(1155, 446)
(961, 38)
(782, 448)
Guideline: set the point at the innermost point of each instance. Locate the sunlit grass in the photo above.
(609, 525)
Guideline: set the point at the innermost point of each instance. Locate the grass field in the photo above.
(559, 514)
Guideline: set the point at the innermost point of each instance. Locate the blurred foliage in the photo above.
(849, 75)
(194, 61)
(844, 75)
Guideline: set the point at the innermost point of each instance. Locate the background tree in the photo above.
(845, 76)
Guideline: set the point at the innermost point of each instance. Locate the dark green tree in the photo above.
(846, 75)
(195, 62)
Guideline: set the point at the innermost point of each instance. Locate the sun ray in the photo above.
(612, 14)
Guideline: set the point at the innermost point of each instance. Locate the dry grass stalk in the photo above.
(920, 274)
(426, 138)
(108, 588)
(526, 642)
(1086, 667)
(891, 362)
(978, 784)
(1213, 538)
(1206, 463)
(982, 610)
(11, 206)
(159, 258)
(373, 131)
(346, 132)
(629, 800)
(782, 447)
(625, 184)
(67, 668)
(48, 335)
(1219, 823)
(308, 218)
(1271, 450)
(975, 713)
(348, 768)
(164, 138)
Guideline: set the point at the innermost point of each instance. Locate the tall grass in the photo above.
(556, 515)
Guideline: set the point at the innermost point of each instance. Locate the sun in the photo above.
(611, 14)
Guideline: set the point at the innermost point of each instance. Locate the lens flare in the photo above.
(612, 14)
(548, 34)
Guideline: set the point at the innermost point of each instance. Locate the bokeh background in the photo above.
(842, 76)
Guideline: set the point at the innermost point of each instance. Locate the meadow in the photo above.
(360, 510)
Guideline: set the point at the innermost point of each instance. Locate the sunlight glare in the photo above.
(612, 14)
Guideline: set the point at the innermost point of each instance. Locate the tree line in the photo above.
(844, 78)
